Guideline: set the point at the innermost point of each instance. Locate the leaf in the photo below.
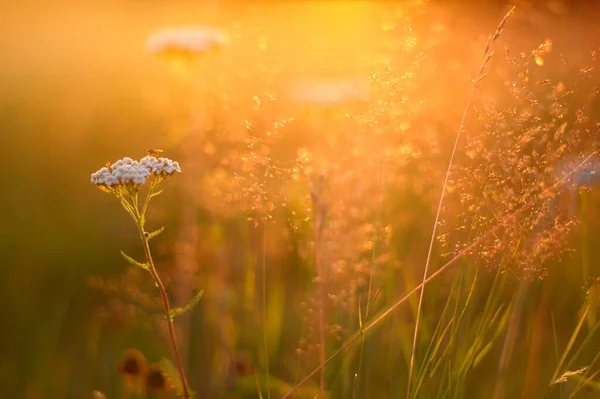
(193, 302)
(275, 313)
(135, 262)
(156, 232)
(360, 322)
(172, 375)
(260, 395)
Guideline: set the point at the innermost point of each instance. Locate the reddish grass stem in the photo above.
(480, 74)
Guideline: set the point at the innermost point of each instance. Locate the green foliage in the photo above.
(191, 304)
(134, 262)
(173, 378)
(156, 232)
(56, 321)
(275, 313)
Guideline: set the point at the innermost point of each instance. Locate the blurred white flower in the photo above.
(186, 40)
(578, 173)
(586, 174)
(328, 92)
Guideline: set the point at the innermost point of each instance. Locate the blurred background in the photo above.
(79, 89)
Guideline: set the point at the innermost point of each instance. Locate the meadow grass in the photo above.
(303, 216)
(477, 313)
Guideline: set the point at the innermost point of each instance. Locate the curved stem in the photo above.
(167, 307)
(264, 307)
(480, 74)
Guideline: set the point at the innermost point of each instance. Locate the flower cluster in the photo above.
(125, 171)
(160, 166)
(129, 173)
(185, 40)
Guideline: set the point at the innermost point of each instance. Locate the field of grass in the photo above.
(376, 199)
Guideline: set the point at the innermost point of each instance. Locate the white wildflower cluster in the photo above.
(125, 171)
(160, 166)
(187, 40)
(128, 172)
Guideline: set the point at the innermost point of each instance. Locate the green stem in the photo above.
(567, 349)
(167, 306)
(370, 291)
(163, 292)
(264, 305)
(321, 300)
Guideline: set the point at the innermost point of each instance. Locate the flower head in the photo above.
(186, 41)
(123, 174)
(329, 92)
(126, 176)
(160, 166)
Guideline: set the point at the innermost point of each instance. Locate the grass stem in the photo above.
(480, 73)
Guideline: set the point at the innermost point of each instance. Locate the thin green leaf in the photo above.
(583, 346)
(172, 375)
(360, 323)
(585, 380)
(156, 232)
(135, 262)
(430, 356)
(260, 395)
(275, 313)
(569, 345)
(499, 330)
(193, 302)
(370, 305)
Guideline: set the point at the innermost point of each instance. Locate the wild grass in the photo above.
(487, 54)
(367, 224)
(481, 318)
